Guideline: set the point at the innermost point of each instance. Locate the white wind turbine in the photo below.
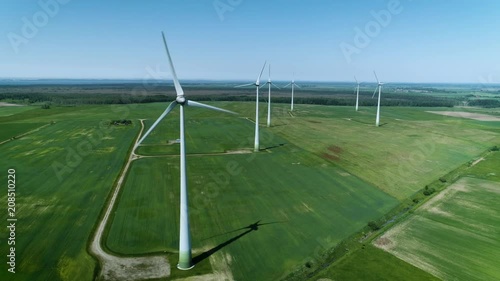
(270, 83)
(185, 256)
(379, 87)
(357, 93)
(257, 85)
(293, 86)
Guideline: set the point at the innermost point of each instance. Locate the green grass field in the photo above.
(447, 236)
(302, 201)
(411, 149)
(371, 263)
(322, 179)
(454, 236)
(12, 110)
(11, 130)
(56, 216)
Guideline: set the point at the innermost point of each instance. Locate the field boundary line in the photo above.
(25, 134)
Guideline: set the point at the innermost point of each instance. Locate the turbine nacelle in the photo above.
(180, 100)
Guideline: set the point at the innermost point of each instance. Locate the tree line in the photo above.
(125, 94)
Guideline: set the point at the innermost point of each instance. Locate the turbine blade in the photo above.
(178, 88)
(202, 105)
(245, 85)
(376, 77)
(287, 85)
(262, 71)
(167, 111)
(275, 86)
(356, 80)
(297, 86)
(374, 92)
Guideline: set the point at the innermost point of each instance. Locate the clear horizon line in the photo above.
(234, 80)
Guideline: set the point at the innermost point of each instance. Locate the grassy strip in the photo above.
(371, 263)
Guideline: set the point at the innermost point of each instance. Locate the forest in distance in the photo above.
(339, 94)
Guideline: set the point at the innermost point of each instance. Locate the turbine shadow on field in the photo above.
(273, 147)
(250, 228)
(361, 122)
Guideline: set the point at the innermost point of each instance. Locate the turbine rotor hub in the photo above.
(180, 100)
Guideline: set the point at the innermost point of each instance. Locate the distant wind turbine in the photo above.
(185, 256)
(357, 93)
(257, 85)
(379, 87)
(293, 86)
(270, 83)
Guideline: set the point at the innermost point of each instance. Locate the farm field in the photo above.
(56, 214)
(410, 150)
(372, 263)
(454, 236)
(433, 238)
(299, 200)
(305, 192)
(11, 110)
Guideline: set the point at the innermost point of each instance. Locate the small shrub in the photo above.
(373, 225)
(428, 191)
(120, 122)
(415, 201)
(443, 180)
(495, 148)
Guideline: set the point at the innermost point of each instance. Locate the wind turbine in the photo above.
(379, 87)
(293, 85)
(270, 83)
(185, 256)
(257, 85)
(357, 93)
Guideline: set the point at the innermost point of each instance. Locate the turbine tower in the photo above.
(293, 86)
(257, 85)
(357, 93)
(185, 256)
(379, 87)
(270, 83)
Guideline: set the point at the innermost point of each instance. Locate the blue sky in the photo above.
(423, 41)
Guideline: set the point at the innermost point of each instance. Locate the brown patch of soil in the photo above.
(330, 157)
(335, 149)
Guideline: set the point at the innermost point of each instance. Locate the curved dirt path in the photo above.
(148, 267)
(125, 268)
